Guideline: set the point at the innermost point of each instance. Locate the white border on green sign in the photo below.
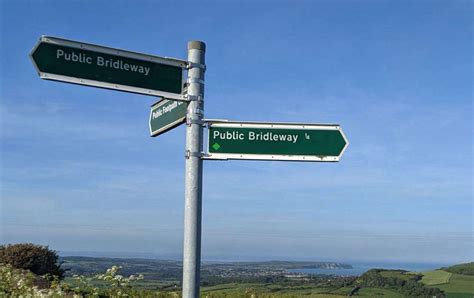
(106, 50)
(282, 125)
(155, 133)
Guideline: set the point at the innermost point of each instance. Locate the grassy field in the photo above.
(458, 286)
(398, 274)
(373, 283)
(454, 285)
(268, 291)
(264, 291)
(449, 280)
(436, 277)
(373, 292)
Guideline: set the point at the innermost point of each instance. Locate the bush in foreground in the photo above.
(36, 258)
(20, 283)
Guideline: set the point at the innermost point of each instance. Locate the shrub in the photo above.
(36, 258)
(20, 283)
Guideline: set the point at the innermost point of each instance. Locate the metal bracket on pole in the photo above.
(196, 65)
(193, 97)
(189, 154)
(190, 121)
(198, 111)
(215, 120)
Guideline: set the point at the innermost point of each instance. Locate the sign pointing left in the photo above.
(165, 115)
(86, 64)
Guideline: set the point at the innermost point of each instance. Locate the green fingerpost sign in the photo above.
(86, 64)
(275, 141)
(166, 115)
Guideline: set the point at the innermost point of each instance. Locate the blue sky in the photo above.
(80, 173)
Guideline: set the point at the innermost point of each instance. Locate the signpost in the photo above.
(86, 64)
(193, 171)
(91, 65)
(275, 141)
(166, 115)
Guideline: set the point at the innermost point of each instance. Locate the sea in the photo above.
(360, 268)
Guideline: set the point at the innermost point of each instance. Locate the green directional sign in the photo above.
(86, 64)
(275, 141)
(166, 115)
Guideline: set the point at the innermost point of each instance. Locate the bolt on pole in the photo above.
(193, 173)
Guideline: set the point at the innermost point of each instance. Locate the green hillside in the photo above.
(402, 282)
(259, 280)
(458, 286)
(450, 281)
(466, 269)
(436, 277)
(374, 283)
(260, 290)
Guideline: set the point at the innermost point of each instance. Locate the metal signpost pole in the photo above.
(193, 174)
(91, 65)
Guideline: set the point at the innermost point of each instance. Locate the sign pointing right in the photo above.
(275, 141)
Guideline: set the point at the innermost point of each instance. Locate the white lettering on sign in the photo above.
(165, 109)
(102, 62)
(81, 58)
(255, 136)
(229, 135)
(270, 136)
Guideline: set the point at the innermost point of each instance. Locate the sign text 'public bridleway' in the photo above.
(86, 64)
(275, 141)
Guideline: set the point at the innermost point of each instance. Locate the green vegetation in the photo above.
(466, 269)
(436, 277)
(267, 291)
(112, 284)
(270, 290)
(377, 292)
(400, 281)
(166, 272)
(458, 286)
(302, 286)
(169, 272)
(22, 283)
(35, 258)
(400, 274)
(374, 283)
(456, 281)
(156, 278)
